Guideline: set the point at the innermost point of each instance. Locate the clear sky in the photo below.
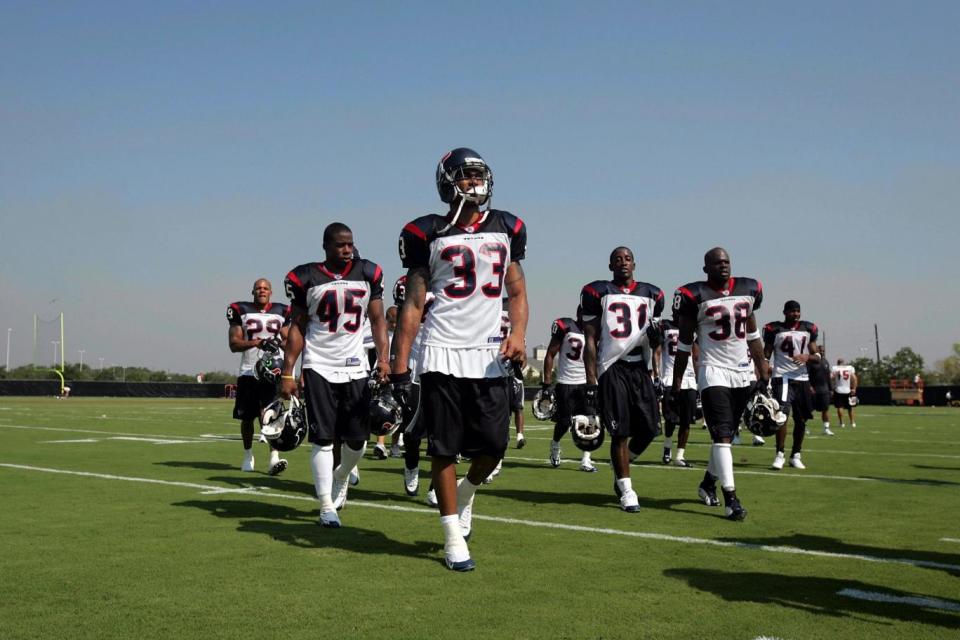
(158, 157)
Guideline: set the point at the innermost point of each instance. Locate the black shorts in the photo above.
(723, 409)
(796, 398)
(413, 429)
(466, 416)
(628, 401)
(686, 406)
(821, 400)
(840, 400)
(516, 394)
(336, 409)
(252, 396)
(570, 399)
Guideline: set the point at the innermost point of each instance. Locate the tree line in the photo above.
(72, 372)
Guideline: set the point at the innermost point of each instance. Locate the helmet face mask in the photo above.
(763, 415)
(386, 414)
(544, 404)
(458, 165)
(285, 428)
(587, 432)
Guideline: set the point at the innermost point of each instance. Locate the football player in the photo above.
(820, 382)
(329, 302)
(566, 350)
(686, 399)
(792, 342)
(251, 325)
(618, 317)
(720, 312)
(844, 391)
(467, 258)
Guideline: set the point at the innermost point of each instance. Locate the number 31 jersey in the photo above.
(721, 317)
(570, 359)
(467, 265)
(256, 323)
(786, 341)
(336, 307)
(625, 313)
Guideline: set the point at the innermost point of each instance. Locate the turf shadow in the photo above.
(925, 559)
(299, 528)
(933, 468)
(818, 596)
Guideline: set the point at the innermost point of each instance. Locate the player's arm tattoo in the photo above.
(295, 338)
(590, 330)
(408, 318)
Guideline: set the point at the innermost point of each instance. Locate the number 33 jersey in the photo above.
(788, 340)
(255, 323)
(625, 313)
(336, 307)
(721, 316)
(570, 358)
(467, 265)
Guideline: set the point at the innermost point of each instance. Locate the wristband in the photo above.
(753, 336)
(288, 377)
(684, 347)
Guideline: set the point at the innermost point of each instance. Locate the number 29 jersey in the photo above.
(668, 355)
(786, 341)
(467, 265)
(256, 323)
(721, 317)
(625, 314)
(336, 307)
(570, 368)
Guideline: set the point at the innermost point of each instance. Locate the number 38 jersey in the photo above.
(721, 316)
(788, 340)
(336, 307)
(256, 323)
(625, 314)
(671, 338)
(467, 265)
(570, 359)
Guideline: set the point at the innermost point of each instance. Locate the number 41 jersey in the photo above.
(721, 317)
(787, 341)
(625, 313)
(467, 265)
(336, 307)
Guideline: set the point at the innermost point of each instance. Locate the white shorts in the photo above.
(710, 376)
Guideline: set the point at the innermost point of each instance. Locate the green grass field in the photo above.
(131, 519)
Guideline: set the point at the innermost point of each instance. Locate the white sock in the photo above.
(321, 464)
(853, 424)
(711, 464)
(826, 425)
(668, 443)
(274, 457)
(248, 453)
(586, 458)
(465, 492)
(348, 460)
(625, 485)
(723, 461)
(680, 453)
(454, 546)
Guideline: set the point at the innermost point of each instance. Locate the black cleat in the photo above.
(666, 456)
(735, 511)
(708, 494)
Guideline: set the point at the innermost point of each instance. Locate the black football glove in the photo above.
(271, 345)
(659, 388)
(401, 387)
(590, 402)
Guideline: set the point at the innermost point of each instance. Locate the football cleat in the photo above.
(554, 454)
(339, 491)
(278, 467)
(521, 441)
(680, 462)
(778, 461)
(247, 463)
(459, 565)
(796, 462)
(494, 473)
(827, 432)
(708, 494)
(354, 477)
(666, 456)
(629, 502)
(379, 451)
(411, 480)
(329, 519)
(735, 511)
(432, 499)
(758, 441)
(588, 466)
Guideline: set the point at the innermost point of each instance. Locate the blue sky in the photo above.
(157, 158)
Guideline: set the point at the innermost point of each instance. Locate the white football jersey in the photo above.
(256, 323)
(625, 314)
(668, 355)
(842, 377)
(786, 341)
(467, 265)
(569, 361)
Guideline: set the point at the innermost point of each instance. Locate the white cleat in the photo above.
(494, 473)
(339, 491)
(521, 441)
(247, 464)
(278, 467)
(778, 461)
(796, 463)
(758, 441)
(411, 480)
(554, 454)
(588, 466)
(432, 499)
(354, 477)
(380, 451)
(827, 432)
(629, 502)
(329, 519)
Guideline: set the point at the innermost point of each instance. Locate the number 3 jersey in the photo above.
(570, 358)
(625, 314)
(461, 335)
(256, 323)
(721, 316)
(788, 340)
(336, 307)
(668, 354)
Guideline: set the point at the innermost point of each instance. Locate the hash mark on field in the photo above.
(644, 535)
(917, 601)
(949, 539)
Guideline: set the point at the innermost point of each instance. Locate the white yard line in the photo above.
(662, 537)
(916, 601)
(949, 539)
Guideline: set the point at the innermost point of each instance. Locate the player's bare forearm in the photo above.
(237, 342)
(408, 319)
(294, 347)
(378, 326)
(517, 309)
(552, 350)
(590, 351)
(686, 328)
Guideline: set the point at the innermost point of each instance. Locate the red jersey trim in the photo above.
(415, 230)
(591, 291)
(686, 292)
(518, 226)
(292, 277)
(378, 274)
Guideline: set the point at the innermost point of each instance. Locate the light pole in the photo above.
(54, 343)
(9, 329)
(81, 358)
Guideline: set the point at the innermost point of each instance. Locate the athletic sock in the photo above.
(723, 458)
(321, 464)
(625, 484)
(712, 466)
(668, 443)
(454, 546)
(274, 457)
(826, 425)
(680, 453)
(586, 458)
(465, 492)
(348, 460)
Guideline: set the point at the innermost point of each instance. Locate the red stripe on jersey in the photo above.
(686, 292)
(660, 295)
(378, 274)
(292, 277)
(516, 227)
(235, 307)
(591, 291)
(415, 230)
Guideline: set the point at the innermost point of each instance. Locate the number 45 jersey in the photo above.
(625, 313)
(721, 317)
(467, 265)
(788, 340)
(336, 307)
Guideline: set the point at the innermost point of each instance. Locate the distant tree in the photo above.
(947, 371)
(869, 374)
(903, 365)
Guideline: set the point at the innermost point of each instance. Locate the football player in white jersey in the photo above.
(791, 342)
(618, 316)
(252, 324)
(329, 302)
(566, 351)
(845, 391)
(467, 258)
(820, 383)
(685, 402)
(720, 312)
